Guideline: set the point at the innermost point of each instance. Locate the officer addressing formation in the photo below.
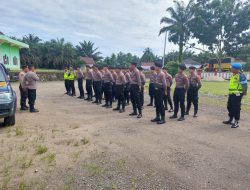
(125, 84)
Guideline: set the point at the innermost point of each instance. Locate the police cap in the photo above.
(236, 65)
(182, 67)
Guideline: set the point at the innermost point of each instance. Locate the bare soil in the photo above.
(74, 144)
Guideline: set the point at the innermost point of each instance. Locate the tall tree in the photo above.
(87, 49)
(148, 55)
(31, 55)
(221, 25)
(177, 24)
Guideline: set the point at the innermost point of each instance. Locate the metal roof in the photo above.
(6, 39)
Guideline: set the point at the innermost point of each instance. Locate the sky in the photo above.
(113, 25)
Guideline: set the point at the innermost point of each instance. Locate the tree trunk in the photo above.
(180, 52)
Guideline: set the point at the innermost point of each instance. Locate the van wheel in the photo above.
(10, 121)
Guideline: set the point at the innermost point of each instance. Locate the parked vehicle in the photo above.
(8, 98)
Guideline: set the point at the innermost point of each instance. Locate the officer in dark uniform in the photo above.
(151, 85)
(120, 85)
(89, 83)
(182, 85)
(167, 98)
(127, 86)
(108, 81)
(192, 92)
(79, 77)
(135, 88)
(143, 82)
(97, 83)
(160, 86)
(113, 86)
(237, 89)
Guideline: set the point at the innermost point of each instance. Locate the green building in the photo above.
(9, 52)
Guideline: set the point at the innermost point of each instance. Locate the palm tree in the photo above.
(148, 55)
(177, 24)
(86, 49)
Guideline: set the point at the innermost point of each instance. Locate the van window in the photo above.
(2, 75)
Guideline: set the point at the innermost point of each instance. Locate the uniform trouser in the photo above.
(167, 99)
(67, 87)
(108, 93)
(135, 97)
(234, 106)
(114, 92)
(142, 96)
(160, 110)
(32, 98)
(89, 85)
(192, 97)
(179, 100)
(126, 93)
(80, 86)
(98, 91)
(72, 86)
(24, 96)
(120, 96)
(151, 92)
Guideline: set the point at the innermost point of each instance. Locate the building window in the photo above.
(6, 60)
(15, 61)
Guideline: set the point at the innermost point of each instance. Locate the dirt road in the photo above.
(73, 144)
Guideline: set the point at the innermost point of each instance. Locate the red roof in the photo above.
(88, 60)
(147, 64)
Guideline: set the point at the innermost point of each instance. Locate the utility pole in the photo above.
(164, 51)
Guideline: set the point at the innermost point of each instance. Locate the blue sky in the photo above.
(113, 25)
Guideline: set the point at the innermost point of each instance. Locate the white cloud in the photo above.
(124, 25)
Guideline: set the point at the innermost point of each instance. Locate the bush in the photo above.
(172, 67)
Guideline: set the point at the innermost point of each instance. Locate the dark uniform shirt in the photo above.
(121, 79)
(181, 81)
(135, 77)
(108, 77)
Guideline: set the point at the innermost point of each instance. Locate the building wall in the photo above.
(9, 56)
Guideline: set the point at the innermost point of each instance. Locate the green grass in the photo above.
(41, 149)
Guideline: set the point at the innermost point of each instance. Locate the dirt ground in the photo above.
(73, 144)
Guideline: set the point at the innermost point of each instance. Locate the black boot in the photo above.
(134, 113)
(150, 104)
(116, 109)
(235, 125)
(173, 116)
(181, 118)
(186, 113)
(195, 114)
(162, 121)
(228, 122)
(139, 115)
(156, 119)
(122, 110)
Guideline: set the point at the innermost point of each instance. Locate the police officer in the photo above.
(127, 86)
(23, 89)
(192, 93)
(182, 85)
(97, 83)
(89, 83)
(108, 81)
(114, 86)
(135, 88)
(66, 80)
(30, 81)
(167, 98)
(237, 89)
(160, 86)
(72, 81)
(79, 77)
(151, 85)
(143, 82)
(120, 86)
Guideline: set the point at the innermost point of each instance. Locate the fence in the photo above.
(223, 75)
